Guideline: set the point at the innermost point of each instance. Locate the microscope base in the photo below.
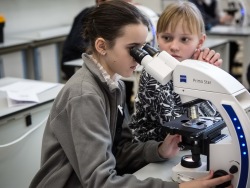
(182, 174)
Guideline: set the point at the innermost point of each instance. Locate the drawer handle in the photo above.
(24, 135)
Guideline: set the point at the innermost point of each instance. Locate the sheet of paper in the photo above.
(22, 92)
(14, 99)
(31, 87)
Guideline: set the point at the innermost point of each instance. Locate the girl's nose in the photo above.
(174, 46)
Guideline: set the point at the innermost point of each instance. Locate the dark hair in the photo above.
(108, 19)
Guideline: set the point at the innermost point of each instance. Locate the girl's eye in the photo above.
(185, 39)
(167, 38)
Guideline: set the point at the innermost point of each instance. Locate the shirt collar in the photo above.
(106, 76)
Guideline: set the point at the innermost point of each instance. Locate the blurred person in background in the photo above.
(211, 15)
(75, 44)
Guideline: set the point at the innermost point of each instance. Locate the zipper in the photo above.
(114, 108)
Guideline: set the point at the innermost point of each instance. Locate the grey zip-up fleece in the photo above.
(79, 135)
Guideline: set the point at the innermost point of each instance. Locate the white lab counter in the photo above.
(45, 34)
(21, 130)
(10, 44)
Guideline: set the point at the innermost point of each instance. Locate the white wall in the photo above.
(156, 5)
(27, 15)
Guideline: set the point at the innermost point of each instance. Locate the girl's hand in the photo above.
(209, 56)
(169, 147)
(207, 182)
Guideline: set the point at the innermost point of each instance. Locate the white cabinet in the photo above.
(20, 146)
(21, 132)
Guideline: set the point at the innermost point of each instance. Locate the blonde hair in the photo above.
(184, 11)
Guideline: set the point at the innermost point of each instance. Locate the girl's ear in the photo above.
(100, 46)
(201, 41)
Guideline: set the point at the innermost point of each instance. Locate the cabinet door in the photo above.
(13, 65)
(20, 146)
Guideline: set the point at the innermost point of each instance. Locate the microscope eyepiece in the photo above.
(154, 66)
(151, 50)
(138, 54)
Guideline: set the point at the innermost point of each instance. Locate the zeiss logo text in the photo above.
(183, 78)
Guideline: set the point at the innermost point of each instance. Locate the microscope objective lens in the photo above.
(207, 109)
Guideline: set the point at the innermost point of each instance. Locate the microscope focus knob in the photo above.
(233, 169)
(220, 173)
